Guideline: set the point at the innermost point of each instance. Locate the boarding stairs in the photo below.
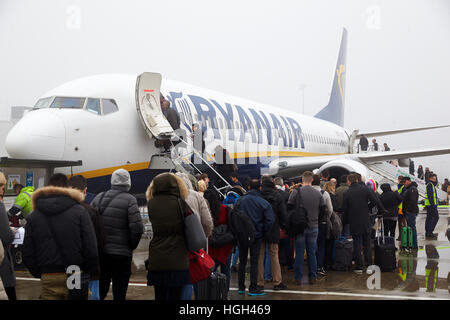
(391, 173)
(176, 161)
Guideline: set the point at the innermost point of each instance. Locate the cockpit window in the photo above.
(93, 105)
(69, 103)
(109, 106)
(43, 103)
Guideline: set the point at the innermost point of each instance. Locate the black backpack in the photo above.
(241, 225)
(221, 234)
(297, 217)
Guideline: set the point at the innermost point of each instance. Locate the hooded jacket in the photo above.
(271, 195)
(390, 201)
(72, 229)
(198, 204)
(121, 217)
(167, 250)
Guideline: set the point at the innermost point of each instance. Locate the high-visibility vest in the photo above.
(400, 206)
(435, 200)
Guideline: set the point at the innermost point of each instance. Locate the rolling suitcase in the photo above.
(406, 238)
(343, 254)
(213, 288)
(385, 252)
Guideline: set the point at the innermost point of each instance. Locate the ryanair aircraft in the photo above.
(113, 121)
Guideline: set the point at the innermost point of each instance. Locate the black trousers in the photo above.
(363, 237)
(118, 270)
(254, 256)
(389, 227)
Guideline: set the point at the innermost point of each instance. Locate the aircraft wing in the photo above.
(368, 157)
(293, 166)
(397, 131)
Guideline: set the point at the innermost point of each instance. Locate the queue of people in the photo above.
(99, 238)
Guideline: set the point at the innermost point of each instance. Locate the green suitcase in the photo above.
(407, 238)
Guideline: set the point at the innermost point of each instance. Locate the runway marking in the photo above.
(327, 293)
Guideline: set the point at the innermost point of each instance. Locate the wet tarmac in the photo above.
(421, 276)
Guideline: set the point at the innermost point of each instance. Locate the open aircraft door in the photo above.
(148, 106)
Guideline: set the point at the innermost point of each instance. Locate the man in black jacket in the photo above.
(356, 213)
(410, 207)
(123, 228)
(59, 234)
(390, 201)
(270, 194)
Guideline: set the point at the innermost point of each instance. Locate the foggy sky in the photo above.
(398, 52)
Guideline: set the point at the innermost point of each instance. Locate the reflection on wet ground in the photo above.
(422, 275)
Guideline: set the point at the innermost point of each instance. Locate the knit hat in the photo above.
(121, 177)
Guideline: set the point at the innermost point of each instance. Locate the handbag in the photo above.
(200, 265)
(194, 235)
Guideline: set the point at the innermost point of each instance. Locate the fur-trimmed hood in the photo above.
(167, 183)
(54, 200)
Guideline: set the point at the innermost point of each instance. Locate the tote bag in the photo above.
(194, 235)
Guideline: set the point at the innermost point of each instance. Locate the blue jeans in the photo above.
(235, 256)
(411, 221)
(186, 292)
(431, 220)
(94, 288)
(306, 240)
(267, 265)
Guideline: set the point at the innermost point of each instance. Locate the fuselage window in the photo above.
(93, 105)
(68, 103)
(109, 106)
(43, 103)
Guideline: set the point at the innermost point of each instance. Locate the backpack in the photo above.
(297, 220)
(241, 225)
(335, 226)
(221, 234)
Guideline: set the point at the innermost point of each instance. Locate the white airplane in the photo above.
(112, 121)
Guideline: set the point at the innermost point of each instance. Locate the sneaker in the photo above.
(358, 271)
(280, 286)
(321, 272)
(241, 291)
(256, 292)
(260, 288)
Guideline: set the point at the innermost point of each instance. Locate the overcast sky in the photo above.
(398, 55)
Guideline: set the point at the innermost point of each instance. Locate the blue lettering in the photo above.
(288, 131)
(262, 124)
(297, 132)
(247, 124)
(228, 115)
(279, 129)
(209, 115)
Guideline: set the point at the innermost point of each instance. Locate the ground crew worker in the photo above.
(401, 217)
(22, 205)
(431, 203)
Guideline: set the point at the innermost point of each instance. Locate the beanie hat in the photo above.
(121, 177)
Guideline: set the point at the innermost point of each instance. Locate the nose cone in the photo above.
(39, 135)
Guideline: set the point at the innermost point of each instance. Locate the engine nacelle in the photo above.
(344, 166)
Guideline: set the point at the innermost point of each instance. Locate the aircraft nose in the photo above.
(38, 135)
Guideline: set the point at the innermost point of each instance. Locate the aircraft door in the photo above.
(148, 106)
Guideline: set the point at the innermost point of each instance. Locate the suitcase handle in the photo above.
(382, 231)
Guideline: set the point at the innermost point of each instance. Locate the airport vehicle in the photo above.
(112, 121)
